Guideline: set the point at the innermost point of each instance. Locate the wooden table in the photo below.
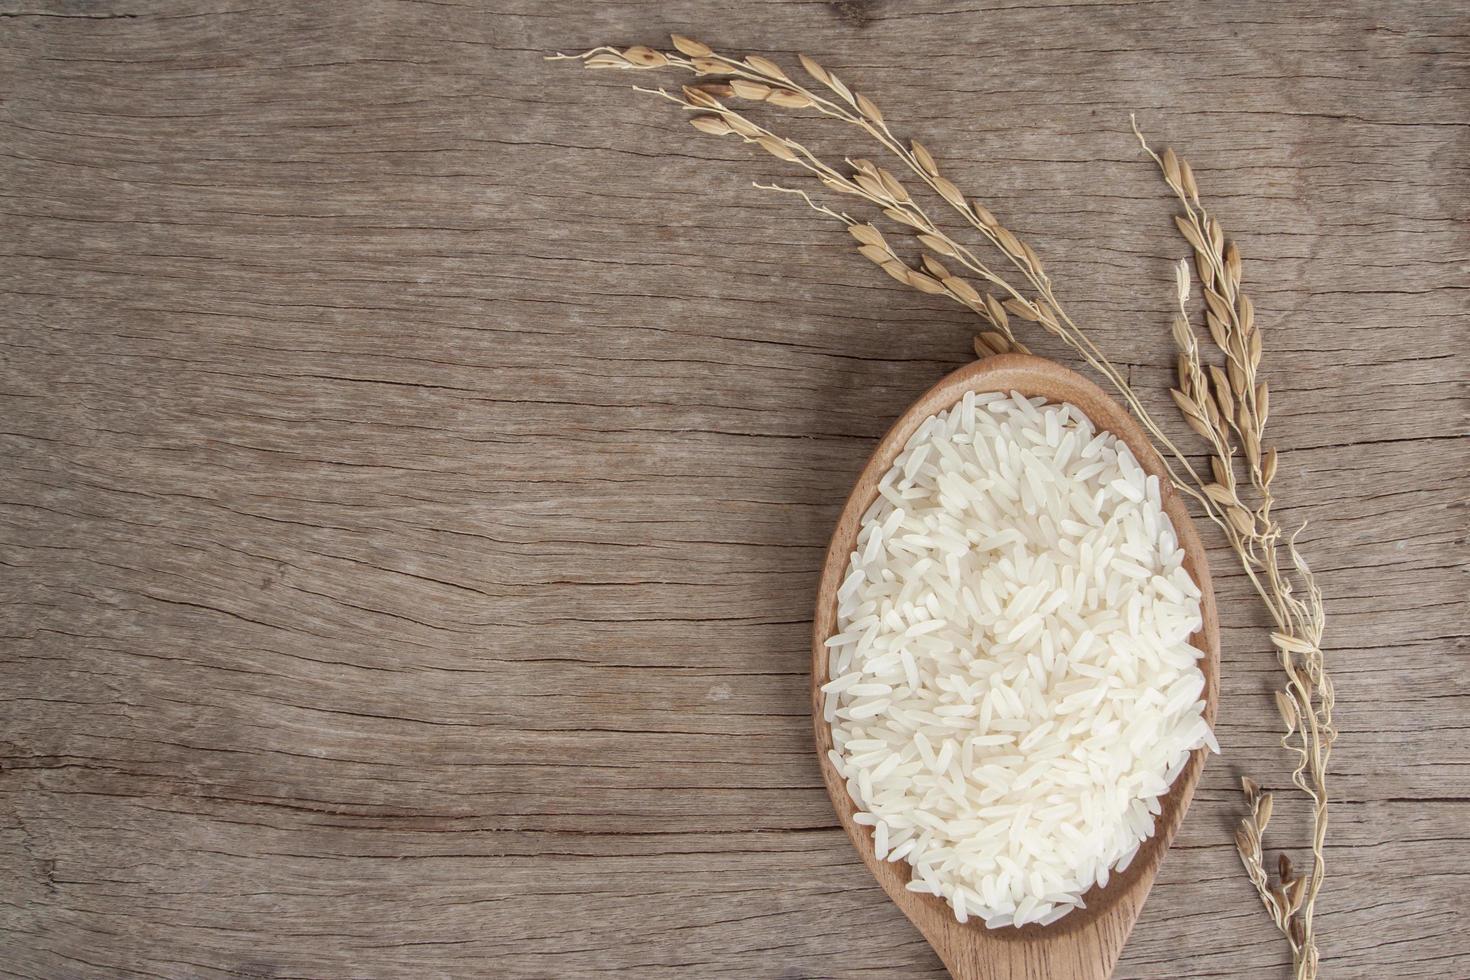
(418, 457)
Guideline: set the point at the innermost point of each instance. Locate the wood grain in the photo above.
(418, 459)
(1085, 943)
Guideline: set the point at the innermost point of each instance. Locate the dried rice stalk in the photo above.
(1227, 405)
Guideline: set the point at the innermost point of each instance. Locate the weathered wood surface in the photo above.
(418, 459)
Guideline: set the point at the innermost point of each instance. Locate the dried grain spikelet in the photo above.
(892, 185)
(1263, 404)
(1219, 494)
(1217, 235)
(872, 185)
(984, 216)
(876, 254)
(720, 90)
(777, 148)
(1263, 811)
(1000, 342)
(743, 126)
(1222, 390)
(934, 267)
(941, 245)
(997, 312)
(1186, 178)
(1237, 374)
(952, 194)
(962, 289)
(1217, 331)
(787, 99)
(866, 234)
(1252, 446)
(1026, 311)
(838, 184)
(1187, 229)
(864, 165)
(1250, 788)
(691, 47)
(1171, 167)
(1291, 644)
(1244, 842)
(837, 85)
(984, 348)
(696, 96)
(607, 60)
(926, 162)
(746, 89)
(904, 218)
(1254, 347)
(868, 108)
(1232, 263)
(645, 57)
(1221, 471)
(1286, 707)
(1205, 268)
(924, 283)
(1283, 867)
(709, 66)
(766, 67)
(1218, 306)
(1009, 242)
(1268, 466)
(713, 125)
(1295, 892)
(897, 270)
(1032, 259)
(814, 69)
(1247, 314)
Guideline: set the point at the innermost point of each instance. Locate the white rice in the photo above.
(1012, 684)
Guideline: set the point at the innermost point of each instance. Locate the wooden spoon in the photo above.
(1085, 943)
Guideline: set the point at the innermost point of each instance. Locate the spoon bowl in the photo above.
(1085, 943)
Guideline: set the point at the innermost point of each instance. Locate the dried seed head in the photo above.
(1287, 709)
(924, 283)
(1220, 494)
(766, 67)
(983, 215)
(746, 89)
(1295, 892)
(1222, 391)
(1187, 229)
(813, 69)
(1186, 178)
(963, 290)
(1263, 403)
(1245, 842)
(997, 312)
(1263, 811)
(743, 126)
(1254, 347)
(720, 90)
(868, 108)
(607, 59)
(1221, 471)
(1026, 311)
(645, 57)
(691, 47)
(787, 99)
(934, 267)
(1181, 281)
(926, 162)
(777, 148)
(903, 218)
(713, 125)
(897, 270)
(1171, 167)
(872, 185)
(709, 66)
(876, 254)
(892, 185)
(941, 245)
(1247, 314)
(696, 96)
(1268, 466)
(866, 234)
(950, 192)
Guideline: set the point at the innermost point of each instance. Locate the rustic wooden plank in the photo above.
(418, 459)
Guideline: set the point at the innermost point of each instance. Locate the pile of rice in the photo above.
(1012, 684)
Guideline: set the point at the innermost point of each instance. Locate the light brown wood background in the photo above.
(418, 458)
